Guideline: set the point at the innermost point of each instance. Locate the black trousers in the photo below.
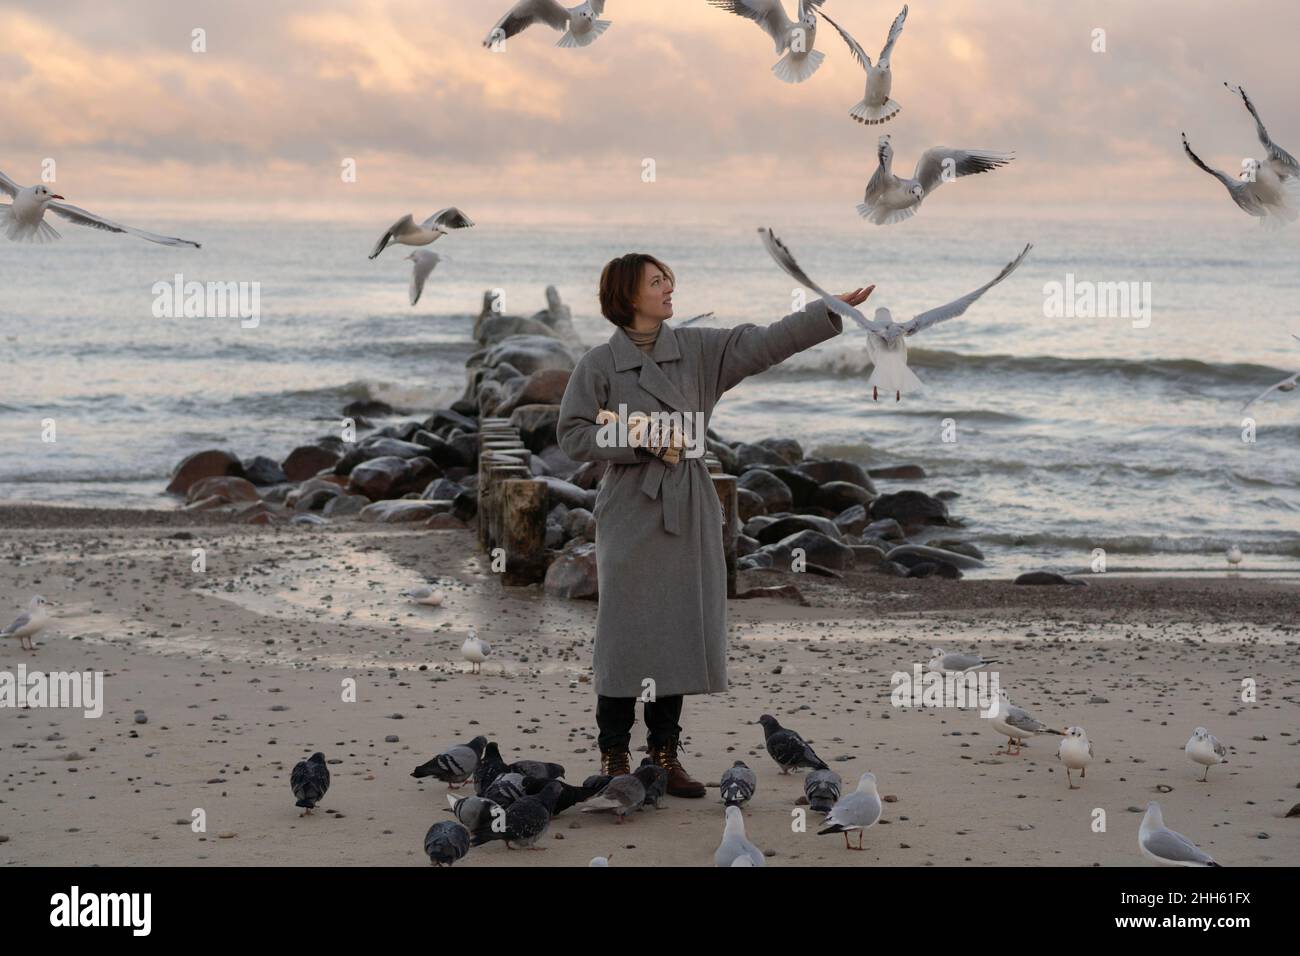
(616, 715)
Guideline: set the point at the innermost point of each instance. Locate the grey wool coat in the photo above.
(662, 577)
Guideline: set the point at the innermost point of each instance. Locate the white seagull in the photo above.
(875, 105)
(424, 264)
(407, 233)
(29, 623)
(795, 36)
(1166, 847)
(1234, 555)
(1016, 724)
(1075, 753)
(424, 595)
(1204, 748)
(23, 220)
(886, 343)
(855, 811)
(581, 24)
(1287, 384)
(945, 663)
(890, 199)
(735, 846)
(475, 651)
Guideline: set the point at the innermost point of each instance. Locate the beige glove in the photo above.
(665, 443)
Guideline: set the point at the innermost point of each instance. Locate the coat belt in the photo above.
(672, 494)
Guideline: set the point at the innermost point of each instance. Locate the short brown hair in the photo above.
(620, 281)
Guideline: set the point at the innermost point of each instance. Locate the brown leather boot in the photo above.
(615, 762)
(680, 783)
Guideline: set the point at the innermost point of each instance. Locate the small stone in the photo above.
(391, 739)
(228, 835)
(140, 718)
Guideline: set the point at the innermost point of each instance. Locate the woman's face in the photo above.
(654, 300)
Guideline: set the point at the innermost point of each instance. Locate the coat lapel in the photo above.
(653, 379)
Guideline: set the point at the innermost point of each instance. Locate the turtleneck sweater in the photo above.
(645, 341)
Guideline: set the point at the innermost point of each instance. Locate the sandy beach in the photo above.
(239, 671)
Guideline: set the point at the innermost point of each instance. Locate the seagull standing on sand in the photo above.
(1234, 556)
(1075, 753)
(425, 261)
(309, 781)
(855, 811)
(405, 232)
(735, 846)
(885, 340)
(875, 106)
(475, 651)
(890, 199)
(1287, 384)
(1016, 724)
(787, 748)
(424, 595)
(946, 663)
(1166, 847)
(24, 219)
(1204, 748)
(29, 623)
(795, 36)
(581, 24)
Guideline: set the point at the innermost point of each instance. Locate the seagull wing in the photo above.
(695, 318)
(777, 250)
(931, 167)
(1173, 846)
(883, 176)
(1237, 189)
(768, 14)
(895, 31)
(1287, 384)
(959, 306)
(524, 14)
(1276, 153)
(1019, 719)
(859, 54)
(7, 185)
(423, 266)
(1219, 749)
(405, 224)
(449, 218)
(23, 620)
(81, 217)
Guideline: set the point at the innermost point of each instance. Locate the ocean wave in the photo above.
(1256, 542)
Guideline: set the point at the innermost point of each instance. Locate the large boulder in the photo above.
(570, 495)
(775, 493)
(757, 455)
(817, 548)
(378, 478)
(308, 460)
(261, 470)
(910, 509)
(802, 488)
(835, 496)
(226, 487)
(784, 527)
(390, 512)
(787, 449)
(573, 573)
(448, 418)
(442, 451)
(543, 387)
(536, 424)
(495, 328)
(203, 464)
(823, 470)
(898, 473)
(530, 353)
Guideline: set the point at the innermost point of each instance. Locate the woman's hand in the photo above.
(857, 296)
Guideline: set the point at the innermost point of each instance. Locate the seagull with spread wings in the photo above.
(581, 24)
(796, 38)
(405, 232)
(886, 339)
(23, 220)
(875, 106)
(1287, 384)
(890, 199)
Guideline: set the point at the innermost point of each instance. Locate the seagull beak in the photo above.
(56, 196)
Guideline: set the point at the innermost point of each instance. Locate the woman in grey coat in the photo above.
(661, 623)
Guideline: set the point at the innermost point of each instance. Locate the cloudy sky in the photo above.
(287, 90)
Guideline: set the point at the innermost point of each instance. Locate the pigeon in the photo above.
(310, 780)
(890, 199)
(854, 811)
(537, 770)
(490, 766)
(875, 106)
(738, 784)
(527, 819)
(1076, 753)
(597, 782)
(581, 24)
(787, 748)
(1016, 724)
(405, 232)
(446, 842)
(735, 846)
(957, 663)
(455, 765)
(570, 795)
(623, 794)
(795, 36)
(1166, 847)
(1204, 748)
(1287, 384)
(425, 261)
(656, 788)
(822, 788)
(475, 651)
(28, 624)
(476, 813)
(506, 789)
(885, 339)
(425, 595)
(24, 219)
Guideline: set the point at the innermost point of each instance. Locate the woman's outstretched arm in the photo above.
(586, 394)
(749, 349)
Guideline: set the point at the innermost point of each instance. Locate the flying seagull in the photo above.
(407, 233)
(875, 106)
(1287, 384)
(425, 261)
(581, 24)
(890, 199)
(797, 37)
(885, 339)
(23, 220)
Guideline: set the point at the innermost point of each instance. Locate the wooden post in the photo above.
(498, 472)
(522, 509)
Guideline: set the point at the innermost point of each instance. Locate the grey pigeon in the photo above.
(1167, 847)
(309, 781)
(855, 811)
(621, 795)
(738, 784)
(569, 794)
(656, 788)
(527, 819)
(490, 766)
(455, 765)
(822, 788)
(735, 846)
(787, 748)
(446, 842)
(536, 770)
(475, 813)
(506, 789)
